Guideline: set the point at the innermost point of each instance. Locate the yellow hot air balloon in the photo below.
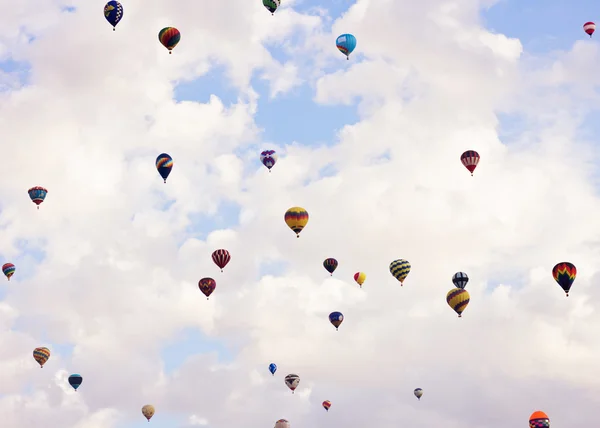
(458, 299)
(400, 269)
(360, 277)
(148, 411)
(296, 218)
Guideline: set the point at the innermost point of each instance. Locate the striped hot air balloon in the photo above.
(169, 37)
(221, 257)
(8, 269)
(41, 355)
(330, 265)
(326, 404)
(296, 218)
(400, 269)
(589, 28)
(470, 159)
(564, 274)
(458, 299)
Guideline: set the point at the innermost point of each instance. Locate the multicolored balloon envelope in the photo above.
(336, 318)
(37, 195)
(330, 265)
(148, 411)
(282, 423)
(458, 299)
(292, 381)
(470, 159)
(113, 12)
(346, 43)
(273, 368)
(207, 286)
(271, 5)
(564, 274)
(460, 280)
(75, 380)
(539, 419)
(269, 158)
(169, 37)
(326, 404)
(164, 165)
(360, 278)
(400, 269)
(221, 257)
(8, 269)
(296, 218)
(41, 355)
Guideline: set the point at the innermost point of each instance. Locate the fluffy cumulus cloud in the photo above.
(107, 269)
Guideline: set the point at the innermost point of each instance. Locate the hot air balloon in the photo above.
(296, 218)
(221, 258)
(8, 269)
(148, 411)
(460, 280)
(268, 158)
(41, 355)
(336, 318)
(564, 273)
(539, 419)
(346, 44)
(326, 404)
(292, 381)
(360, 277)
(271, 5)
(470, 159)
(164, 165)
(589, 28)
(418, 393)
(169, 37)
(207, 286)
(330, 265)
(273, 368)
(282, 423)
(400, 269)
(113, 12)
(75, 380)
(458, 299)
(37, 195)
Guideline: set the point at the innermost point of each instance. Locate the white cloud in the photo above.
(119, 277)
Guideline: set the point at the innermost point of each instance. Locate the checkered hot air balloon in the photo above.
(564, 274)
(470, 159)
(221, 258)
(539, 419)
(113, 12)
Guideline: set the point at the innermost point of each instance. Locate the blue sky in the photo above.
(541, 25)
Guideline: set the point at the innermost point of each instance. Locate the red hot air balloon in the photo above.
(221, 258)
(470, 159)
(589, 28)
(539, 419)
(207, 286)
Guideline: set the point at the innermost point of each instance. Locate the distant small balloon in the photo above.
(470, 159)
(336, 318)
(564, 274)
(589, 28)
(400, 269)
(458, 299)
(113, 12)
(164, 165)
(418, 393)
(360, 277)
(346, 43)
(41, 355)
(75, 380)
(330, 265)
(8, 269)
(271, 5)
(169, 37)
(326, 404)
(37, 194)
(292, 381)
(269, 158)
(460, 280)
(539, 419)
(282, 423)
(221, 257)
(273, 368)
(296, 218)
(148, 411)
(207, 286)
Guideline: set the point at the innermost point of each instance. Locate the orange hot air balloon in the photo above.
(539, 419)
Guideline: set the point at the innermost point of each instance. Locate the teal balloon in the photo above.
(346, 43)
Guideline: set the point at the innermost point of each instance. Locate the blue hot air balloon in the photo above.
(113, 12)
(37, 195)
(75, 381)
(336, 319)
(346, 44)
(164, 164)
(273, 368)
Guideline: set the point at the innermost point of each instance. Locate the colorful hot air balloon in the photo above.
(273, 368)
(296, 218)
(282, 423)
(418, 393)
(292, 381)
(37, 195)
(221, 258)
(460, 280)
(346, 44)
(148, 411)
(41, 355)
(271, 5)
(113, 12)
(330, 265)
(8, 269)
(164, 165)
(268, 158)
(75, 380)
(400, 269)
(360, 277)
(589, 28)
(207, 286)
(336, 318)
(539, 419)
(169, 37)
(470, 159)
(458, 299)
(564, 273)
(326, 404)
